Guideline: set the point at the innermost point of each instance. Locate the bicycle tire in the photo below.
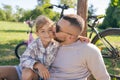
(112, 60)
(20, 48)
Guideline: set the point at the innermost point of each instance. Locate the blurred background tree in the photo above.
(7, 12)
(71, 3)
(91, 10)
(20, 14)
(112, 18)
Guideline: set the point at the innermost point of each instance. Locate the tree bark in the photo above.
(82, 11)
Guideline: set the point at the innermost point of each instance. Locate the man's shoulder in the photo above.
(87, 46)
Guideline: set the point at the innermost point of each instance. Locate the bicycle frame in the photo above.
(30, 37)
(20, 48)
(109, 51)
(63, 7)
(108, 45)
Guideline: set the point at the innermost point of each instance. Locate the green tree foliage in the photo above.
(8, 12)
(26, 15)
(112, 18)
(2, 15)
(48, 12)
(22, 15)
(71, 3)
(40, 10)
(18, 14)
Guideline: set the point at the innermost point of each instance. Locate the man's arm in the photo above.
(96, 64)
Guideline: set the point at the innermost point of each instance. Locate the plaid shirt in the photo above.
(37, 53)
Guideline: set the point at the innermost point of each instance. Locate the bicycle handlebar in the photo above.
(96, 17)
(59, 6)
(30, 23)
(63, 7)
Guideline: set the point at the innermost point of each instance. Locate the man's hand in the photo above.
(42, 71)
(84, 39)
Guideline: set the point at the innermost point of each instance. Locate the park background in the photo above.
(13, 13)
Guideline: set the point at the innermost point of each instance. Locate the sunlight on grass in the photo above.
(7, 57)
(10, 35)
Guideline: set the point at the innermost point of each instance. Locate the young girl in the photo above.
(41, 52)
(36, 60)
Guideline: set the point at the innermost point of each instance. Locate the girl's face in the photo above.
(45, 33)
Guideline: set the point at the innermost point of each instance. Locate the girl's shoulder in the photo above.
(34, 43)
(55, 43)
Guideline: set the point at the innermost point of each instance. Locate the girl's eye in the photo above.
(42, 31)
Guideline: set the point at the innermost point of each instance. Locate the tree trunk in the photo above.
(82, 11)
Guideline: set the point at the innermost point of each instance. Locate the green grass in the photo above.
(10, 35)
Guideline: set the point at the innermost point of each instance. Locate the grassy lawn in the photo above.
(10, 35)
(13, 33)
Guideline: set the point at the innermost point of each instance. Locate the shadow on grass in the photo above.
(13, 61)
(13, 31)
(7, 55)
(113, 67)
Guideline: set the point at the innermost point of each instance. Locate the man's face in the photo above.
(63, 29)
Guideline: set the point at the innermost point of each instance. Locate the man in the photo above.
(35, 64)
(76, 60)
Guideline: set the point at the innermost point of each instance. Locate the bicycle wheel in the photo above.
(20, 48)
(112, 55)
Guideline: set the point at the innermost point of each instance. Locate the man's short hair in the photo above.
(75, 20)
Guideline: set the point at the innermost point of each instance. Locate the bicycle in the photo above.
(110, 49)
(20, 48)
(62, 7)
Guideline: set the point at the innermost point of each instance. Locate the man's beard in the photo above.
(58, 40)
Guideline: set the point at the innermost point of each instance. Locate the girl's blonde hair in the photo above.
(41, 21)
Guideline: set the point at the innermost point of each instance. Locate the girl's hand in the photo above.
(84, 39)
(42, 71)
